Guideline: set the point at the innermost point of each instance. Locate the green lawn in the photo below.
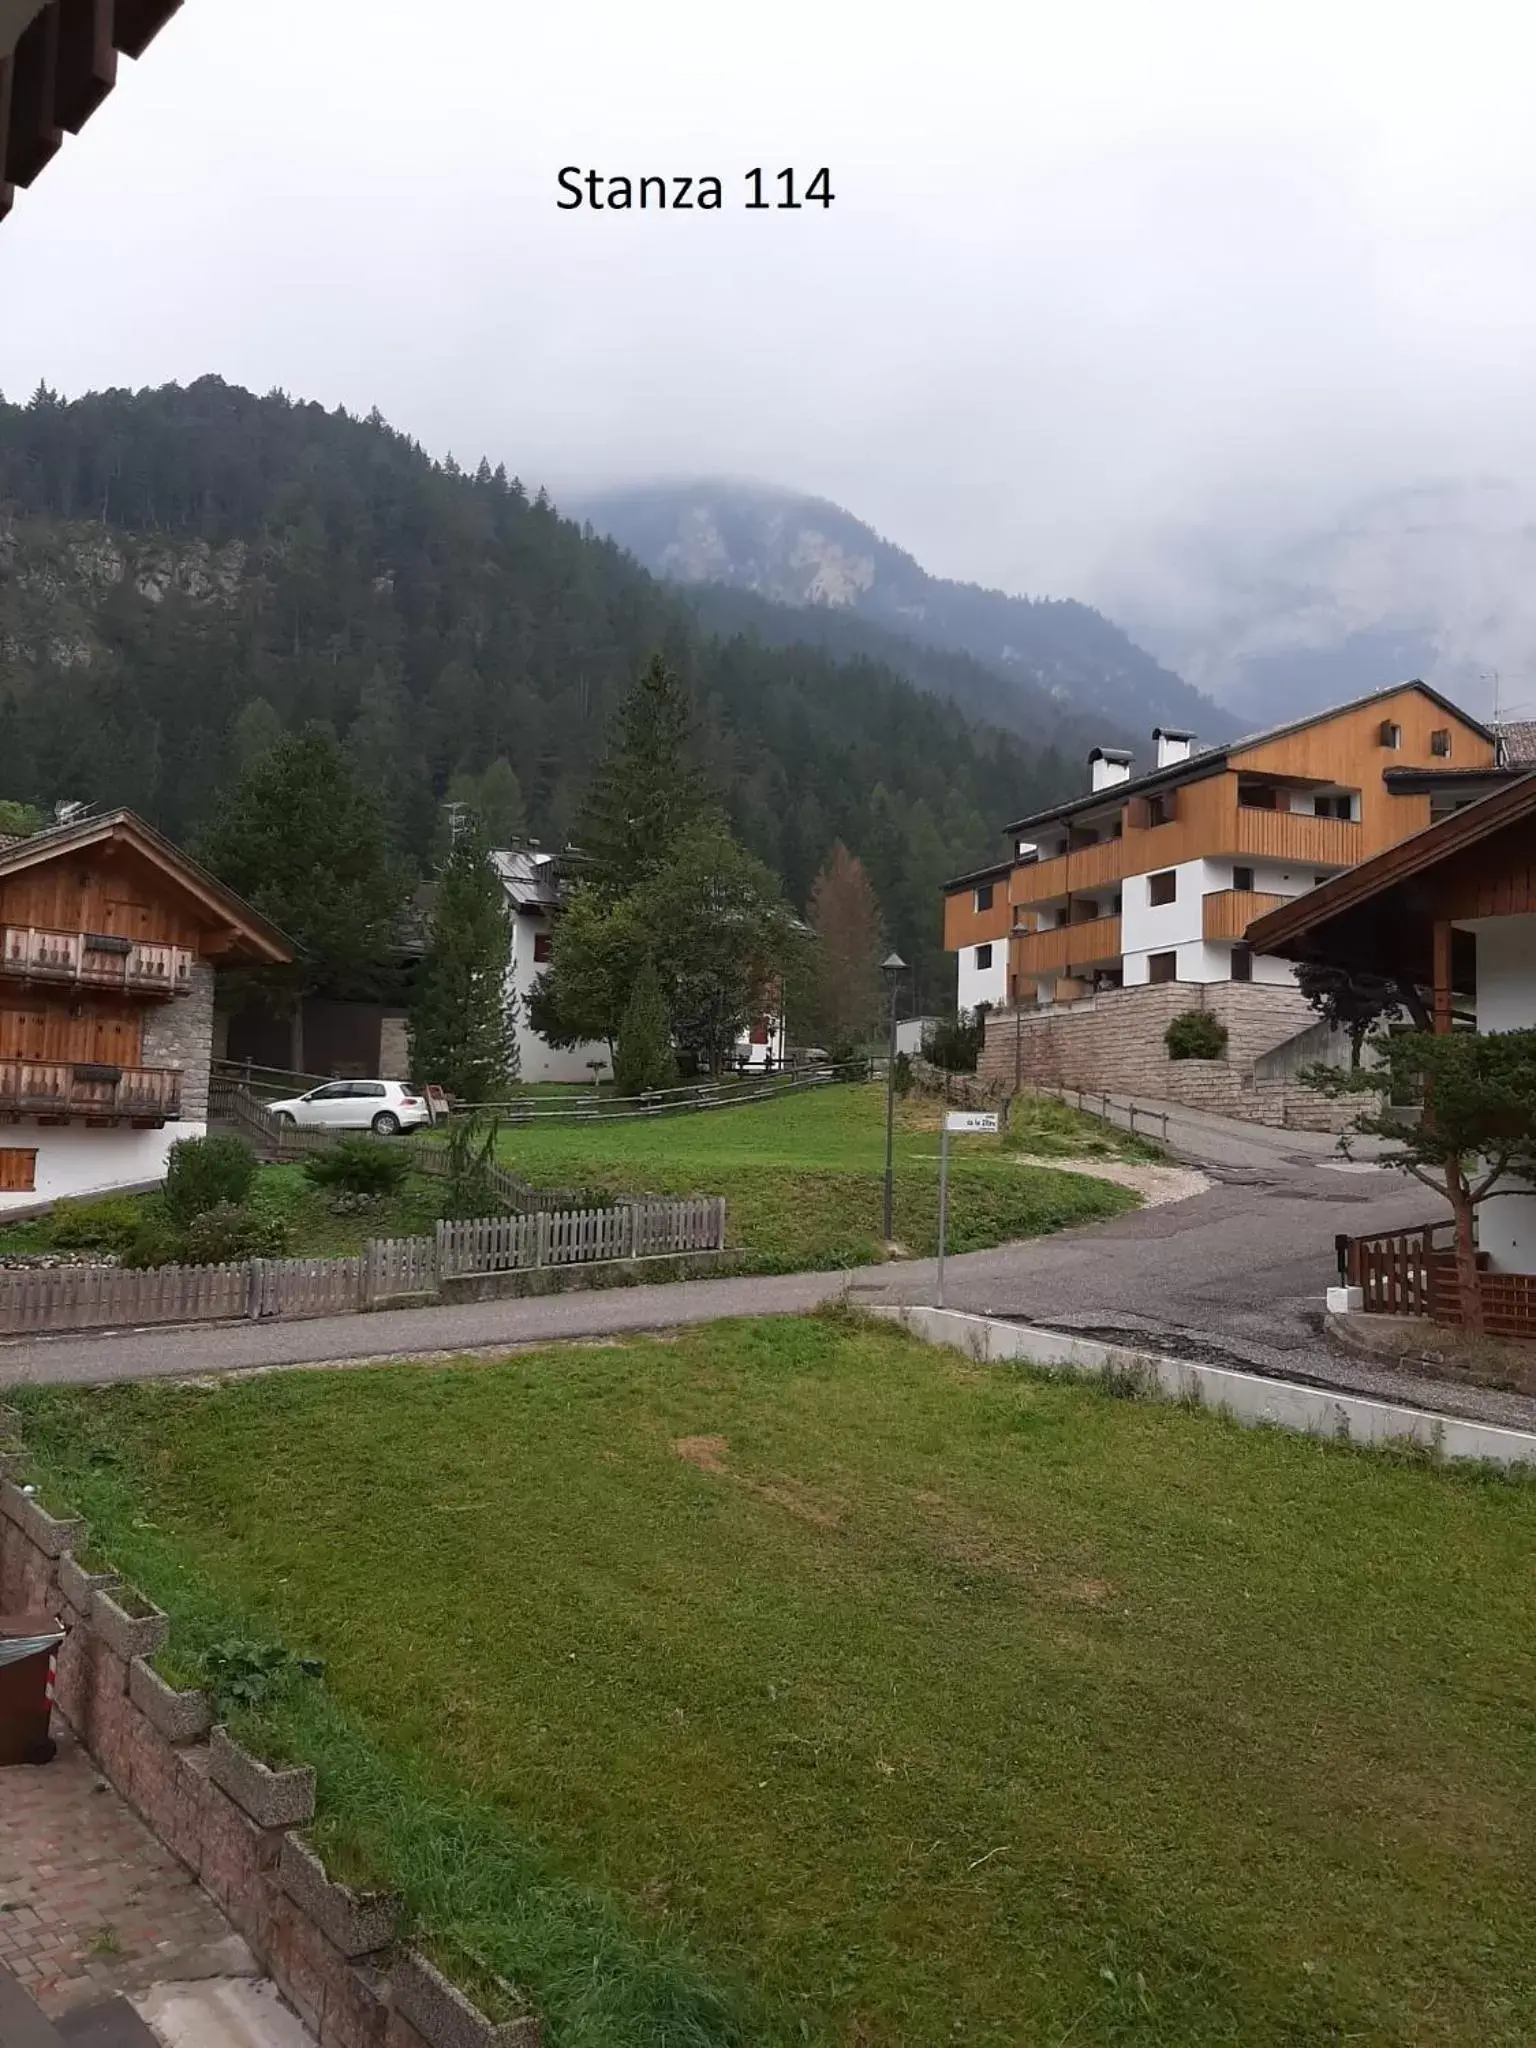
(802, 1177)
(790, 1682)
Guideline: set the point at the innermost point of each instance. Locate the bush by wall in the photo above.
(1196, 1035)
(202, 1173)
(358, 1166)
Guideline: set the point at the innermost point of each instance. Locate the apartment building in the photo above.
(1154, 877)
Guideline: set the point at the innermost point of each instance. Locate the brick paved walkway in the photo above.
(90, 1902)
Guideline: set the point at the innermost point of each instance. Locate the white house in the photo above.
(535, 889)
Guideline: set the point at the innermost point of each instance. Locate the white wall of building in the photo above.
(1178, 927)
(982, 984)
(1506, 1001)
(74, 1160)
(538, 1060)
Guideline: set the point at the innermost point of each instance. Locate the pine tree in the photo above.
(256, 732)
(643, 1058)
(461, 1025)
(646, 792)
(844, 914)
(301, 839)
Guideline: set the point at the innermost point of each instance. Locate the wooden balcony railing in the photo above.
(1227, 913)
(1037, 881)
(95, 960)
(1094, 943)
(1289, 835)
(72, 1088)
(1090, 867)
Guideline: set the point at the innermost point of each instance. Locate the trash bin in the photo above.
(29, 1648)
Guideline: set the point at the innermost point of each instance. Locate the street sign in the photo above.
(973, 1121)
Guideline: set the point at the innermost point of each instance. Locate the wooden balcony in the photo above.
(1290, 835)
(1094, 943)
(1227, 913)
(95, 960)
(1088, 867)
(1038, 881)
(68, 1089)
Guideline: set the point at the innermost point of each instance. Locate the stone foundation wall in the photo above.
(179, 1033)
(1114, 1043)
(231, 1820)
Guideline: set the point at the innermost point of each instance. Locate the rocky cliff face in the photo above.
(813, 555)
(55, 579)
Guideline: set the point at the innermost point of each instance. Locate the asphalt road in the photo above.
(1241, 1268)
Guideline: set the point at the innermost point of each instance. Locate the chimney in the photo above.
(1171, 746)
(1109, 765)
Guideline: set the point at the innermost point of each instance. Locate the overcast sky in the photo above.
(1091, 268)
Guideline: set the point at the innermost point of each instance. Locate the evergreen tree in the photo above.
(257, 731)
(643, 1058)
(497, 799)
(461, 1024)
(298, 837)
(847, 995)
(646, 791)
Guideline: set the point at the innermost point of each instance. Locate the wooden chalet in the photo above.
(109, 938)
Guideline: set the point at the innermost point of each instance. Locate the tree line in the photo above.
(188, 575)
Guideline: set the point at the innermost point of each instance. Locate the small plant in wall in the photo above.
(246, 1675)
(1196, 1035)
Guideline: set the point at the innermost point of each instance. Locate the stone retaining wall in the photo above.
(1114, 1042)
(333, 1953)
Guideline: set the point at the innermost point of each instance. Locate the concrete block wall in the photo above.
(226, 1816)
(179, 1033)
(1115, 1043)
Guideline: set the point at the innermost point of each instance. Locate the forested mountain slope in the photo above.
(180, 569)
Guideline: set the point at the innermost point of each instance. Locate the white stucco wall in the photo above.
(72, 1160)
(1178, 927)
(538, 1060)
(982, 984)
(1506, 1001)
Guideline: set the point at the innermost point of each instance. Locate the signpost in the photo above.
(972, 1122)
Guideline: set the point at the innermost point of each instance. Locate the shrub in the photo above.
(230, 1231)
(1196, 1035)
(205, 1173)
(902, 1076)
(109, 1223)
(643, 1058)
(955, 1043)
(156, 1242)
(358, 1166)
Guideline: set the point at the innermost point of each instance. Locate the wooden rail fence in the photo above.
(1413, 1273)
(34, 1301)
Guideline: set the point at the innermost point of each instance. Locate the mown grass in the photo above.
(803, 1177)
(906, 1703)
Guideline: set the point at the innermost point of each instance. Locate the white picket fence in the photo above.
(33, 1301)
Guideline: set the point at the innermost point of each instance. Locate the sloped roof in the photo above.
(254, 935)
(1517, 742)
(1212, 760)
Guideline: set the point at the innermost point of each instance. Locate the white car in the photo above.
(384, 1107)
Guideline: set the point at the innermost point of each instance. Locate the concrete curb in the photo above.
(1249, 1398)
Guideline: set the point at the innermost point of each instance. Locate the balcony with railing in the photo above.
(1227, 913)
(1292, 835)
(76, 1088)
(95, 960)
(1095, 942)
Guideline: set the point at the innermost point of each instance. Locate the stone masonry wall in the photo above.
(334, 1953)
(179, 1033)
(1115, 1043)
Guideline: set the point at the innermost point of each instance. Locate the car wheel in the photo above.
(386, 1124)
(286, 1118)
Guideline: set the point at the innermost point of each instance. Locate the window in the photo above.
(984, 896)
(1162, 810)
(1242, 964)
(1258, 796)
(543, 945)
(983, 956)
(1163, 888)
(373, 1089)
(332, 1093)
(1391, 735)
(1242, 878)
(1333, 807)
(1162, 967)
(18, 1170)
(1440, 743)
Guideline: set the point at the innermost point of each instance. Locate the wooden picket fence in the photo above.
(1413, 1273)
(634, 1230)
(34, 1301)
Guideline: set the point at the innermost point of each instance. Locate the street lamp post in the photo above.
(893, 967)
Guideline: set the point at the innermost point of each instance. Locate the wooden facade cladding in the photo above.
(70, 1090)
(1094, 942)
(1227, 913)
(95, 960)
(62, 67)
(965, 925)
